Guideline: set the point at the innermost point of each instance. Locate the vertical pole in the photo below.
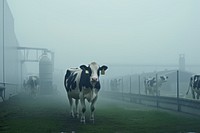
(108, 84)
(178, 91)
(139, 88)
(177, 84)
(122, 90)
(37, 58)
(139, 84)
(21, 76)
(157, 104)
(130, 85)
(24, 55)
(130, 96)
(4, 47)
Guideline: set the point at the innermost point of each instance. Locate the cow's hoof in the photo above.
(83, 121)
(92, 120)
(71, 115)
(77, 115)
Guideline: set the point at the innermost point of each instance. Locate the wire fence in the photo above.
(171, 96)
(176, 84)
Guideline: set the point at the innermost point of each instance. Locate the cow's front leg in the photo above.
(83, 110)
(77, 112)
(92, 108)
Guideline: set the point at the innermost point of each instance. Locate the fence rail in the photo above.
(9, 88)
(170, 103)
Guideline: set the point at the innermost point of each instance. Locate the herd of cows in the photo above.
(31, 85)
(152, 85)
(83, 84)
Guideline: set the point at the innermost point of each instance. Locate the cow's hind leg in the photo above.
(193, 94)
(197, 96)
(146, 90)
(92, 108)
(71, 106)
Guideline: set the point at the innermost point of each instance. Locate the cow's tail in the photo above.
(66, 77)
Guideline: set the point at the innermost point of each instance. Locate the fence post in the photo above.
(4, 94)
(130, 96)
(122, 90)
(109, 87)
(130, 85)
(139, 83)
(178, 104)
(139, 89)
(157, 103)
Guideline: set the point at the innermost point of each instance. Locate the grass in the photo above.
(119, 120)
(49, 114)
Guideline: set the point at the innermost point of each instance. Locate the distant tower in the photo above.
(182, 62)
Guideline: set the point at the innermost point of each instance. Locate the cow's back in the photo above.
(71, 81)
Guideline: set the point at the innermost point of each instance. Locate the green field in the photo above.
(49, 114)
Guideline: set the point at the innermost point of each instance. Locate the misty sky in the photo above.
(110, 31)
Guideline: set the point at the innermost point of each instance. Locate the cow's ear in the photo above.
(103, 69)
(83, 67)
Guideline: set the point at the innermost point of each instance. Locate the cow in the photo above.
(152, 87)
(32, 85)
(115, 84)
(83, 83)
(194, 85)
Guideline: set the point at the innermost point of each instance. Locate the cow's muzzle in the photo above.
(94, 81)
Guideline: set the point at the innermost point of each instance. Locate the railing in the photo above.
(2, 90)
(10, 88)
(170, 103)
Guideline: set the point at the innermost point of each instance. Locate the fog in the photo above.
(110, 31)
(135, 39)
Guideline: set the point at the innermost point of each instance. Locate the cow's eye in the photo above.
(86, 71)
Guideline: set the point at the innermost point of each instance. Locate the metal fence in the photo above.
(131, 89)
(176, 85)
(8, 90)
(170, 103)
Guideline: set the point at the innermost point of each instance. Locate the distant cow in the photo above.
(194, 85)
(32, 85)
(115, 84)
(83, 83)
(152, 87)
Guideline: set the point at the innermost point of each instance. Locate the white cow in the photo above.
(83, 83)
(152, 87)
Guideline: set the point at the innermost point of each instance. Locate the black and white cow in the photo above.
(194, 85)
(83, 83)
(152, 87)
(31, 85)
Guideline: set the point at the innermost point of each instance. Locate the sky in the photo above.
(110, 31)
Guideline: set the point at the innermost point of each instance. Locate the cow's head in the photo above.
(163, 78)
(92, 71)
